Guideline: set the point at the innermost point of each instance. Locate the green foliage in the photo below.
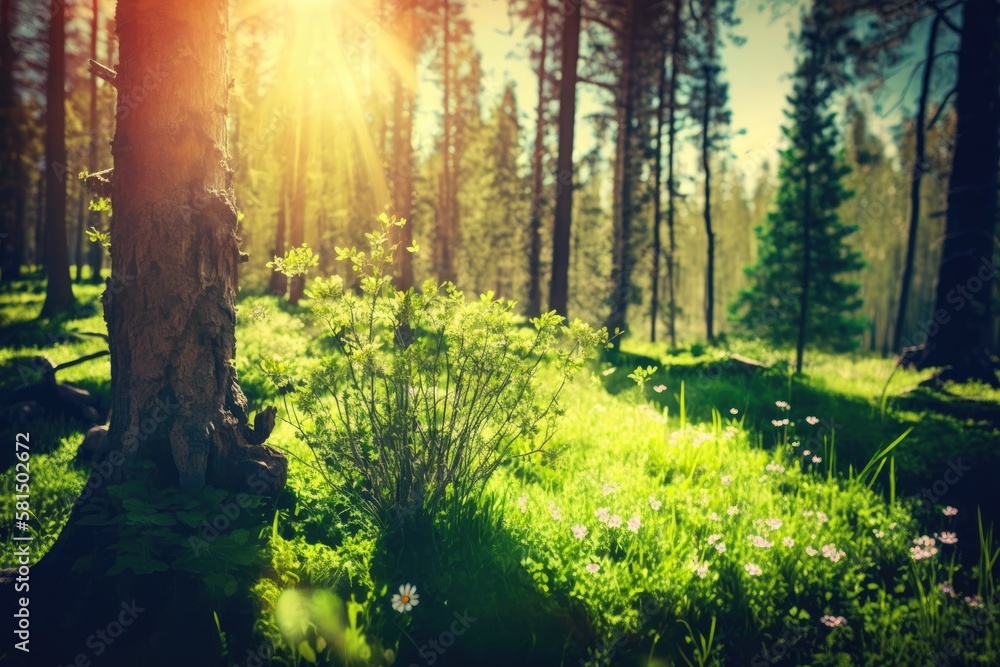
(296, 262)
(95, 235)
(211, 535)
(425, 391)
(805, 220)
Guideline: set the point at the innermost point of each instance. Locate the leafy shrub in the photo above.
(425, 391)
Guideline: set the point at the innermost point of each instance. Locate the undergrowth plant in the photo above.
(424, 393)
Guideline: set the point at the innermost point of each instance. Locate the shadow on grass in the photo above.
(953, 437)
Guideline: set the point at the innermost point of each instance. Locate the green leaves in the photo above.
(296, 262)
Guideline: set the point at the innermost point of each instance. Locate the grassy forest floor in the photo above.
(678, 521)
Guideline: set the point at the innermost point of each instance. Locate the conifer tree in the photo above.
(798, 293)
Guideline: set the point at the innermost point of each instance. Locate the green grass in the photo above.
(663, 593)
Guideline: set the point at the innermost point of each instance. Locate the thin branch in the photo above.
(601, 84)
(104, 72)
(941, 108)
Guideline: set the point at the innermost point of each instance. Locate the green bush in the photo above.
(424, 391)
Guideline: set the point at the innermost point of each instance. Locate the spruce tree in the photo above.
(798, 294)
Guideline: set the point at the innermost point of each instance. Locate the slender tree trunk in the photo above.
(446, 209)
(561, 231)
(706, 164)
(806, 275)
(81, 215)
(623, 261)
(170, 307)
(59, 287)
(916, 180)
(405, 83)
(95, 254)
(297, 201)
(963, 307)
(278, 283)
(534, 307)
(675, 52)
(657, 207)
(40, 219)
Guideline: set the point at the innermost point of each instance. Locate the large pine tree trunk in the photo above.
(59, 287)
(561, 231)
(170, 307)
(960, 338)
(534, 305)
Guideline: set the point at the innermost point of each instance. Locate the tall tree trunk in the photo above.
(445, 241)
(675, 53)
(299, 192)
(95, 253)
(59, 287)
(561, 231)
(405, 82)
(40, 219)
(706, 165)
(81, 216)
(623, 260)
(806, 275)
(11, 166)
(534, 306)
(963, 305)
(916, 180)
(661, 91)
(170, 307)
(278, 283)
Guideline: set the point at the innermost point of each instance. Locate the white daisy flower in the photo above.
(406, 599)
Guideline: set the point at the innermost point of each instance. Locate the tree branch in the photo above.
(102, 72)
(600, 84)
(99, 183)
(941, 108)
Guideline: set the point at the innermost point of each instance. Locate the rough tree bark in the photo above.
(59, 287)
(561, 231)
(961, 340)
(170, 307)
